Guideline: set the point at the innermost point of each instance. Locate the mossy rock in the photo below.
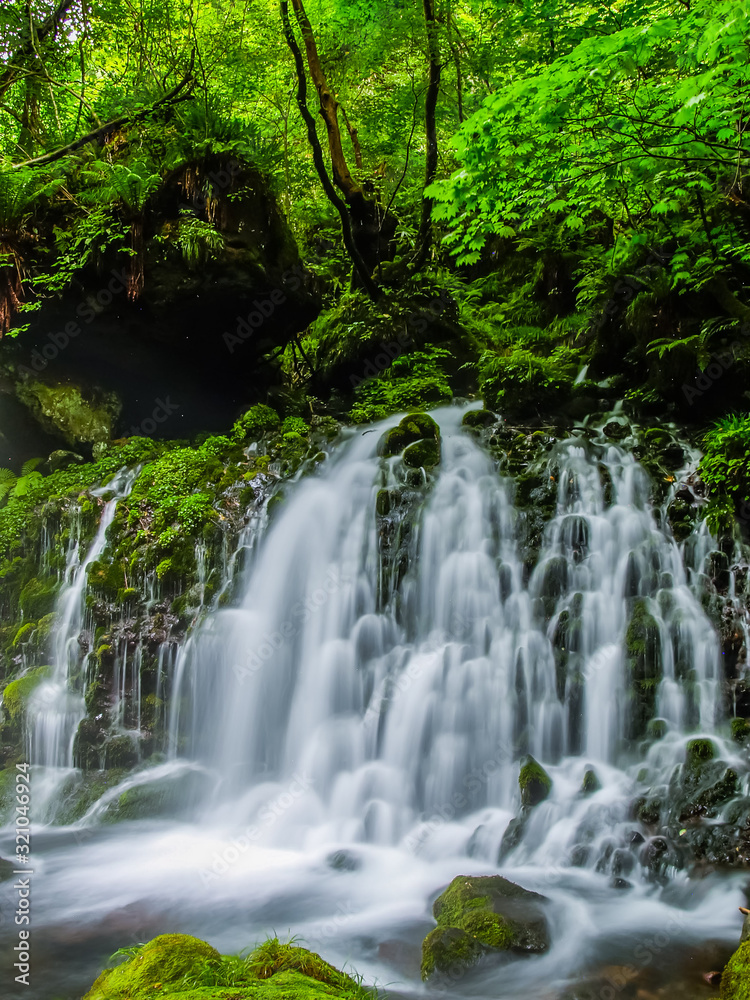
(735, 979)
(255, 422)
(657, 729)
(38, 598)
(414, 427)
(478, 914)
(740, 730)
(16, 695)
(186, 968)
(446, 949)
(422, 455)
(478, 418)
(534, 782)
(643, 668)
(698, 753)
(164, 961)
(590, 782)
(70, 411)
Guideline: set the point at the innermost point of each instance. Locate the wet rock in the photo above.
(616, 430)
(643, 668)
(422, 454)
(590, 783)
(740, 730)
(534, 782)
(63, 460)
(344, 861)
(478, 419)
(483, 914)
(413, 428)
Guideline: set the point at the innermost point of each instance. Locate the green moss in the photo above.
(740, 730)
(735, 980)
(446, 949)
(591, 782)
(478, 418)
(184, 967)
(413, 428)
(24, 634)
(534, 782)
(477, 913)
(63, 409)
(16, 694)
(295, 425)
(166, 960)
(37, 598)
(256, 422)
(698, 753)
(422, 455)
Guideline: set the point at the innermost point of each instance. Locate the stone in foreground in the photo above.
(483, 914)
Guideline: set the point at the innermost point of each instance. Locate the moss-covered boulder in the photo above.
(476, 419)
(422, 454)
(534, 782)
(415, 427)
(483, 914)
(70, 411)
(186, 968)
(735, 980)
(161, 963)
(590, 782)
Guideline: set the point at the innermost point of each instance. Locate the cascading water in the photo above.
(357, 721)
(57, 705)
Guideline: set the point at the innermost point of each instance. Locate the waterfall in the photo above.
(415, 700)
(347, 719)
(57, 705)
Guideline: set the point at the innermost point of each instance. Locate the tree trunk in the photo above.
(424, 240)
(372, 233)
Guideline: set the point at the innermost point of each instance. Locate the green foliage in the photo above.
(255, 422)
(198, 240)
(172, 490)
(295, 425)
(522, 381)
(624, 150)
(414, 381)
(725, 468)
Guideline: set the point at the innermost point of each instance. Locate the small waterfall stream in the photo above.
(57, 705)
(357, 720)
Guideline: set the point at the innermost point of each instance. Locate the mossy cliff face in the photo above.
(478, 915)
(164, 565)
(184, 967)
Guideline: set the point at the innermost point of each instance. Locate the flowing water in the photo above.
(348, 736)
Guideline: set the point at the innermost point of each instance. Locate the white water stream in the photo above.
(354, 728)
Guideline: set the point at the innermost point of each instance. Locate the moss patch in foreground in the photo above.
(178, 965)
(735, 980)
